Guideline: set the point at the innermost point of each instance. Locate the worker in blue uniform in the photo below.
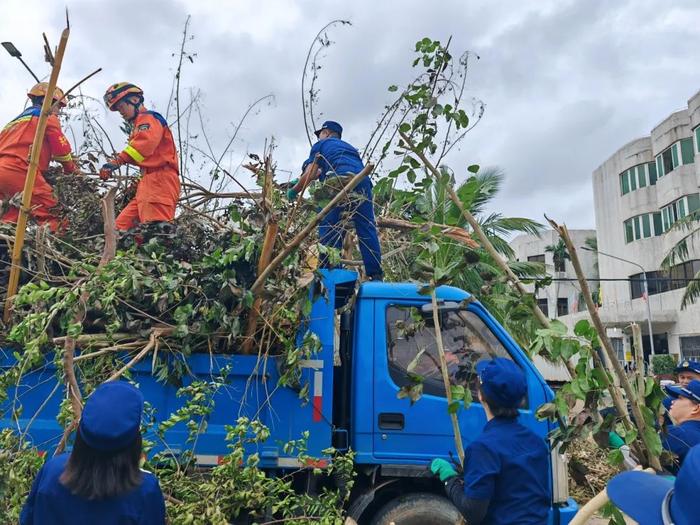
(335, 157)
(100, 480)
(685, 432)
(686, 371)
(650, 499)
(506, 468)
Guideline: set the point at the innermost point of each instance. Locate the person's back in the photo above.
(520, 493)
(337, 155)
(506, 468)
(53, 503)
(100, 481)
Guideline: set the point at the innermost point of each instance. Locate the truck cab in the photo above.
(376, 341)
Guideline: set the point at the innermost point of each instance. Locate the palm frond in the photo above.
(506, 225)
(528, 270)
(680, 251)
(692, 292)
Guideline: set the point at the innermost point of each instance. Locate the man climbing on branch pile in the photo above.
(15, 149)
(332, 156)
(151, 147)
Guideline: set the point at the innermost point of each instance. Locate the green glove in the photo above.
(614, 440)
(291, 192)
(442, 468)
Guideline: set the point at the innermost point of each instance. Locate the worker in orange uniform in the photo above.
(16, 141)
(151, 147)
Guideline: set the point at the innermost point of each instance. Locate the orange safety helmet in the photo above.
(40, 90)
(117, 92)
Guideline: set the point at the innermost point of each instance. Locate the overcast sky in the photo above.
(565, 83)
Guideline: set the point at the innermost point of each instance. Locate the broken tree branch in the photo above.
(446, 377)
(639, 421)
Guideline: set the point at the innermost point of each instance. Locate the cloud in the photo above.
(566, 83)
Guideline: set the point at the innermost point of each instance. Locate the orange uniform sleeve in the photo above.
(143, 141)
(58, 144)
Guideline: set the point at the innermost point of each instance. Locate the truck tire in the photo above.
(419, 508)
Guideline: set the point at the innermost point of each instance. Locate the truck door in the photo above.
(405, 347)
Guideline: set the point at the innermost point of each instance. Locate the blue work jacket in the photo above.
(336, 155)
(508, 465)
(50, 503)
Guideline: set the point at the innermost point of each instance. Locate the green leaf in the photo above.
(405, 127)
(615, 457)
(558, 327)
(630, 436)
(473, 168)
(652, 440)
(393, 88)
(453, 407)
(584, 329)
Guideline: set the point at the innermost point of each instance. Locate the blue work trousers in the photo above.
(331, 231)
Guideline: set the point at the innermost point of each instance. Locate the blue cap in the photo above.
(688, 366)
(502, 382)
(331, 126)
(690, 391)
(112, 416)
(657, 500)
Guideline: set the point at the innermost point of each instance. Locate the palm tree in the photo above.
(471, 269)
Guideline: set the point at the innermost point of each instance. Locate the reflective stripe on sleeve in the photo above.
(63, 158)
(133, 153)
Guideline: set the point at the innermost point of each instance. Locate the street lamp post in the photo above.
(646, 291)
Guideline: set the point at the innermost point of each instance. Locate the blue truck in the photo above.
(375, 339)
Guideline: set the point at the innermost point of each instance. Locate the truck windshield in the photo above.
(412, 347)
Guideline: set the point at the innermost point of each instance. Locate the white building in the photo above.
(639, 192)
(563, 296)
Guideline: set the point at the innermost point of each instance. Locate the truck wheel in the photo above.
(419, 508)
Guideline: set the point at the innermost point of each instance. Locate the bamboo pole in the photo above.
(271, 230)
(31, 176)
(296, 241)
(639, 421)
(446, 377)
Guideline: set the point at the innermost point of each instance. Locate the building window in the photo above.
(562, 306)
(658, 225)
(542, 305)
(690, 347)
(663, 281)
(687, 153)
(642, 227)
(697, 139)
(536, 258)
(679, 209)
(636, 177)
(619, 348)
(651, 168)
(667, 161)
(625, 182)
